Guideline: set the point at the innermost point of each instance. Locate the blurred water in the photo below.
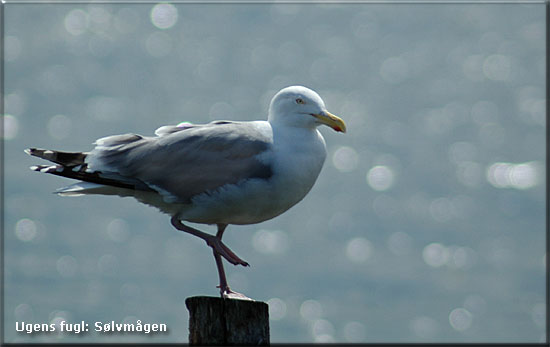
(427, 223)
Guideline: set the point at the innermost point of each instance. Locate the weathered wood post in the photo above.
(217, 321)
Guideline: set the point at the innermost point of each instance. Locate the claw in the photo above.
(227, 293)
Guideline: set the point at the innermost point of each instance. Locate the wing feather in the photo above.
(183, 163)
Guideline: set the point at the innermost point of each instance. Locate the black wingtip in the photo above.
(35, 152)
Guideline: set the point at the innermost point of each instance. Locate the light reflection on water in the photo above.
(311, 310)
(345, 159)
(164, 16)
(460, 319)
(518, 176)
(442, 171)
(67, 266)
(277, 308)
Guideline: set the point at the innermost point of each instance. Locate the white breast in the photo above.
(299, 157)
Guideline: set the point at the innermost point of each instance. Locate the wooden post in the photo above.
(217, 321)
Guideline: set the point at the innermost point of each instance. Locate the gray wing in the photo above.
(186, 161)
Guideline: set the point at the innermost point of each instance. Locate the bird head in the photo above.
(302, 107)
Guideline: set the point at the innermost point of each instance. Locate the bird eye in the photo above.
(300, 101)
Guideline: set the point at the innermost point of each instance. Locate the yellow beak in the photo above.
(331, 120)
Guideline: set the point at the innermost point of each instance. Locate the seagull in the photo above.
(223, 172)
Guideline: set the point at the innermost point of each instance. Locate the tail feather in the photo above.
(87, 188)
(73, 165)
(69, 159)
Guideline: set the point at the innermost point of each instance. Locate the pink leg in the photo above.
(213, 241)
(220, 250)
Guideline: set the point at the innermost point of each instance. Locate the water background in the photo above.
(427, 223)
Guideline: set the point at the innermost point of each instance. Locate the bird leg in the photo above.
(220, 250)
(213, 241)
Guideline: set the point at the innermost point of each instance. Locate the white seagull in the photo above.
(221, 173)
